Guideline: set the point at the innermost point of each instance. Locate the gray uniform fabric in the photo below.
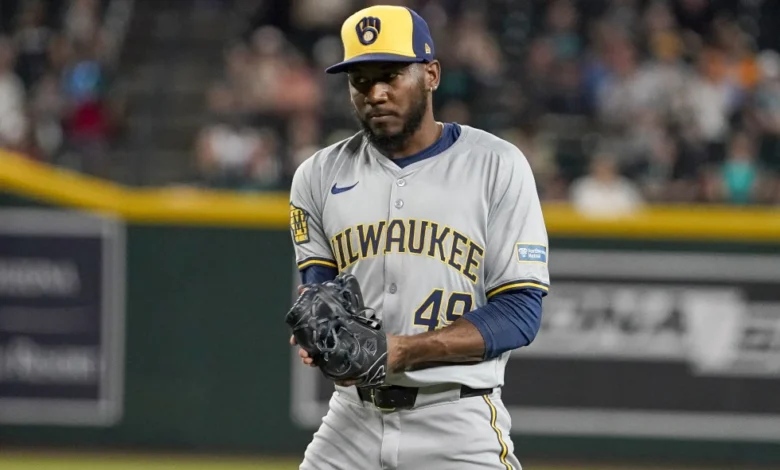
(453, 434)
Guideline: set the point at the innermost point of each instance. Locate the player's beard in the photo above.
(390, 143)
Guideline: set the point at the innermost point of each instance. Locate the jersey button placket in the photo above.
(399, 203)
(392, 305)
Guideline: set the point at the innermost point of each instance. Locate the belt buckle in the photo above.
(373, 401)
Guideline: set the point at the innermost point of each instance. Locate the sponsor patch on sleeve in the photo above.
(528, 253)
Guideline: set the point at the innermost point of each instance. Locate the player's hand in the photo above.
(394, 358)
(309, 362)
(302, 353)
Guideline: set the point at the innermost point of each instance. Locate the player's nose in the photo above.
(377, 94)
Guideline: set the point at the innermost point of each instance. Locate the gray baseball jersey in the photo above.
(428, 242)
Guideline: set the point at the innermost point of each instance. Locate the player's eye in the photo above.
(359, 81)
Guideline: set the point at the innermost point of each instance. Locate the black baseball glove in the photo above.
(343, 337)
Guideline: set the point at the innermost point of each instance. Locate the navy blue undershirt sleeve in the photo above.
(316, 274)
(508, 321)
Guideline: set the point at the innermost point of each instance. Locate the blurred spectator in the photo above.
(88, 122)
(656, 175)
(562, 23)
(48, 108)
(32, 40)
(56, 108)
(304, 136)
(81, 22)
(539, 64)
(695, 16)
(322, 16)
(664, 74)
(711, 99)
(767, 110)
(13, 116)
(476, 47)
(604, 192)
(230, 152)
(564, 95)
(540, 153)
(622, 98)
(279, 79)
(455, 111)
(740, 61)
(738, 181)
(623, 16)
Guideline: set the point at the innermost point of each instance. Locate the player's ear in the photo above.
(432, 75)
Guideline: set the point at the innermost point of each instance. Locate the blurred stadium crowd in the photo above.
(56, 59)
(616, 103)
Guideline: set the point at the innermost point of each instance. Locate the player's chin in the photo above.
(385, 129)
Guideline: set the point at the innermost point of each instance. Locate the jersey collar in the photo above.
(449, 137)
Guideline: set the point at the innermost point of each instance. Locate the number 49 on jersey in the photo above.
(429, 314)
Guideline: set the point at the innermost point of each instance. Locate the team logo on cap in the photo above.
(368, 30)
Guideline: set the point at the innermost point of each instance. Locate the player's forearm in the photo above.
(459, 342)
(507, 322)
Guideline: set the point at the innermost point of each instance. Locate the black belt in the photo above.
(395, 397)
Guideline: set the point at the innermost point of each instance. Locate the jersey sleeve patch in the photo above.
(530, 253)
(299, 225)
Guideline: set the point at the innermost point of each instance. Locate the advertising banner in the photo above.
(61, 318)
(640, 344)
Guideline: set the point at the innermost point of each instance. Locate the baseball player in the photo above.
(442, 226)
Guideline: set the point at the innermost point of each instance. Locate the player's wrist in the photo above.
(397, 353)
